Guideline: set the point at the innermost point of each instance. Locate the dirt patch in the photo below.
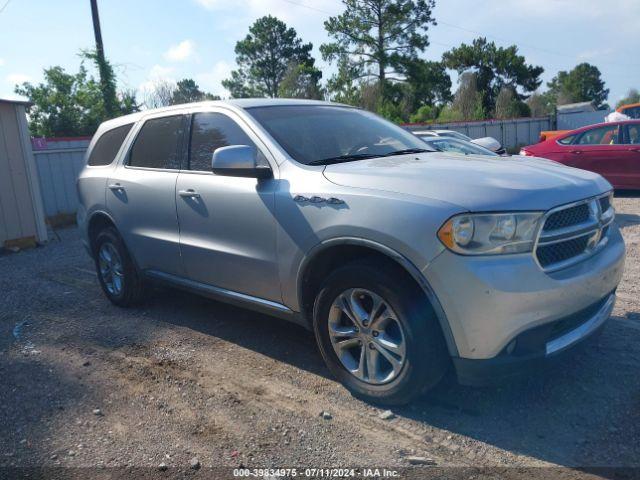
(184, 377)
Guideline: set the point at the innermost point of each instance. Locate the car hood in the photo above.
(473, 182)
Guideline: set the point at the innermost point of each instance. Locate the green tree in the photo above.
(108, 82)
(344, 86)
(381, 36)
(495, 67)
(69, 104)
(633, 96)
(468, 98)
(467, 102)
(540, 104)
(509, 106)
(425, 114)
(582, 84)
(264, 56)
(188, 91)
(430, 82)
(301, 81)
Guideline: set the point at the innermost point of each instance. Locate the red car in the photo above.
(610, 149)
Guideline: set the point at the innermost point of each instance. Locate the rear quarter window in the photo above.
(107, 146)
(567, 140)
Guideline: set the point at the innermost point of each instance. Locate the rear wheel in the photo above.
(378, 334)
(118, 276)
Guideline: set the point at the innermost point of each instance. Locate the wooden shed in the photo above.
(22, 220)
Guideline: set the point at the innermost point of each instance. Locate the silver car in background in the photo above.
(455, 145)
(402, 260)
(489, 143)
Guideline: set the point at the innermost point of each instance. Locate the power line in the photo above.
(4, 6)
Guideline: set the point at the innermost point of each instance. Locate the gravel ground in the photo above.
(86, 384)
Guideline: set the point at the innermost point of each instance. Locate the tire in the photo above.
(411, 327)
(121, 281)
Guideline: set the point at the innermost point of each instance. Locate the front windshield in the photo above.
(317, 134)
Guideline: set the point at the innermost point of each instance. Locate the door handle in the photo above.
(577, 152)
(190, 193)
(116, 187)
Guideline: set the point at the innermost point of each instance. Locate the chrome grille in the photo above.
(573, 232)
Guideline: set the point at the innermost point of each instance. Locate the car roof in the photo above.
(628, 105)
(241, 103)
(596, 125)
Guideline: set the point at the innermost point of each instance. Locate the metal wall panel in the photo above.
(573, 120)
(512, 133)
(59, 162)
(21, 215)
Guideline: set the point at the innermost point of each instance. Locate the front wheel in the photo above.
(378, 334)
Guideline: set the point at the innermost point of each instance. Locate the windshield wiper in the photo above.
(342, 158)
(362, 156)
(407, 151)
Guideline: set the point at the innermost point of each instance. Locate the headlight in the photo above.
(490, 233)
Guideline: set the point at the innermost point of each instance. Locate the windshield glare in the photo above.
(321, 132)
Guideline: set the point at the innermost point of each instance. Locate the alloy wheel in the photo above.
(367, 336)
(111, 270)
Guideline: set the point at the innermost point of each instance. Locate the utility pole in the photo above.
(106, 74)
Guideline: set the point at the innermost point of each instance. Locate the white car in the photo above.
(489, 143)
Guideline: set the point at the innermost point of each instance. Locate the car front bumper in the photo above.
(490, 301)
(507, 366)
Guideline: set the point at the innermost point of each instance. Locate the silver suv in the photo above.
(402, 260)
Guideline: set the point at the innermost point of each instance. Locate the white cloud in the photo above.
(211, 81)
(18, 78)
(210, 4)
(180, 52)
(157, 74)
(592, 54)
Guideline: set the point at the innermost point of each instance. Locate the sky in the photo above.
(156, 40)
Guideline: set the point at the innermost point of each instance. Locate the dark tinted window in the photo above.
(108, 145)
(156, 145)
(632, 112)
(211, 131)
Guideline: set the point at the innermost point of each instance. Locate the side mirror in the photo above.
(238, 161)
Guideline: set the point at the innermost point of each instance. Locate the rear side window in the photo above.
(632, 134)
(107, 146)
(600, 136)
(156, 146)
(632, 112)
(567, 140)
(211, 131)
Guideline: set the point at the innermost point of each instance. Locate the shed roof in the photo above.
(26, 103)
(577, 107)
